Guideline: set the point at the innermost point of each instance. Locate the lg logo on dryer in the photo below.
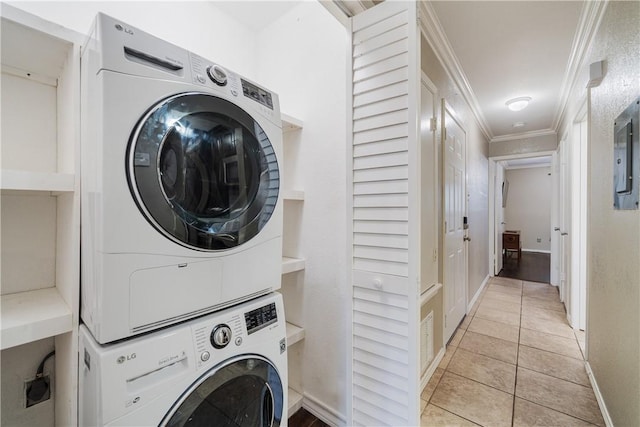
(123, 359)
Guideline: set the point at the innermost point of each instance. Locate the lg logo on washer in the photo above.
(123, 359)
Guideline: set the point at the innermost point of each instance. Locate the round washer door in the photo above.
(203, 172)
(245, 392)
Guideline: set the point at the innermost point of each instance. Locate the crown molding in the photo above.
(524, 135)
(432, 30)
(590, 18)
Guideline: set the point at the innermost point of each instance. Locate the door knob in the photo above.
(466, 239)
(556, 228)
(564, 234)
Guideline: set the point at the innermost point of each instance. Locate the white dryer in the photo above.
(228, 368)
(181, 213)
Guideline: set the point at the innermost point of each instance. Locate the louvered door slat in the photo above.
(384, 387)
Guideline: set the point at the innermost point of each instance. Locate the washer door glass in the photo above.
(203, 171)
(246, 393)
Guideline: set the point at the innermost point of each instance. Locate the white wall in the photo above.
(194, 25)
(529, 206)
(307, 49)
(534, 144)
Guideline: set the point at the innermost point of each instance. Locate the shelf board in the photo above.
(294, 401)
(290, 123)
(47, 43)
(293, 194)
(289, 265)
(36, 181)
(33, 315)
(294, 334)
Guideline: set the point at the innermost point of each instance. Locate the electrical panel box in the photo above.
(626, 158)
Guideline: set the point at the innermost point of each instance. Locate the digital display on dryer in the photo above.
(260, 318)
(257, 93)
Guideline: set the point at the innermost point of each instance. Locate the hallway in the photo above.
(513, 361)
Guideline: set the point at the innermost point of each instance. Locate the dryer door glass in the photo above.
(244, 393)
(203, 171)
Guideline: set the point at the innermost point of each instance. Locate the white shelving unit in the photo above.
(34, 315)
(40, 199)
(294, 333)
(290, 265)
(292, 262)
(18, 180)
(295, 401)
(293, 195)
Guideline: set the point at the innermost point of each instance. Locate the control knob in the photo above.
(217, 75)
(221, 336)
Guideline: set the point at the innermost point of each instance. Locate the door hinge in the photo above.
(445, 320)
(434, 124)
(444, 134)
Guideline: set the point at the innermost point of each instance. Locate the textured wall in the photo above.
(613, 323)
(477, 170)
(523, 146)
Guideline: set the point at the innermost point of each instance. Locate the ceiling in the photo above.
(499, 50)
(509, 49)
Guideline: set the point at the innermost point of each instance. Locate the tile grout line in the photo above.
(515, 385)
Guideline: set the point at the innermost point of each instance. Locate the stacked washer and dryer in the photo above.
(181, 239)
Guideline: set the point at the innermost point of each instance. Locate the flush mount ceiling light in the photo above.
(517, 104)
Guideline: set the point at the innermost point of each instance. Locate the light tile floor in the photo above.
(513, 361)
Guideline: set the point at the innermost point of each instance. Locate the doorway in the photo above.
(521, 211)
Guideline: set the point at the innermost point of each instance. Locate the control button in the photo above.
(234, 92)
(205, 356)
(217, 75)
(200, 78)
(221, 336)
(238, 340)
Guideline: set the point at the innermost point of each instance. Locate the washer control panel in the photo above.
(225, 335)
(220, 336)
(217, 75)
(212, 75)
(257, 94)
(261, 317)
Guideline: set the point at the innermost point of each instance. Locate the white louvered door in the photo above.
(385, 369)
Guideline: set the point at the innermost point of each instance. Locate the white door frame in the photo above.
(493, 217)
(579, 212)
(430, 164)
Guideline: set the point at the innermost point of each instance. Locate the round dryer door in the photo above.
(203, 171)
(243, 393)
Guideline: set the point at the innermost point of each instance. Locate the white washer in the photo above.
(181, 213)
(225, 369)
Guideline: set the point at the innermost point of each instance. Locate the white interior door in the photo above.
(554, 276)
(499, 210)
(578, 234)
(565, 223)
(455, 255)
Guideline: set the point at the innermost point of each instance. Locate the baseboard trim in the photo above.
(596, 390)
(428, 373)
(322, 411)
(540, 251)
(477, 295)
